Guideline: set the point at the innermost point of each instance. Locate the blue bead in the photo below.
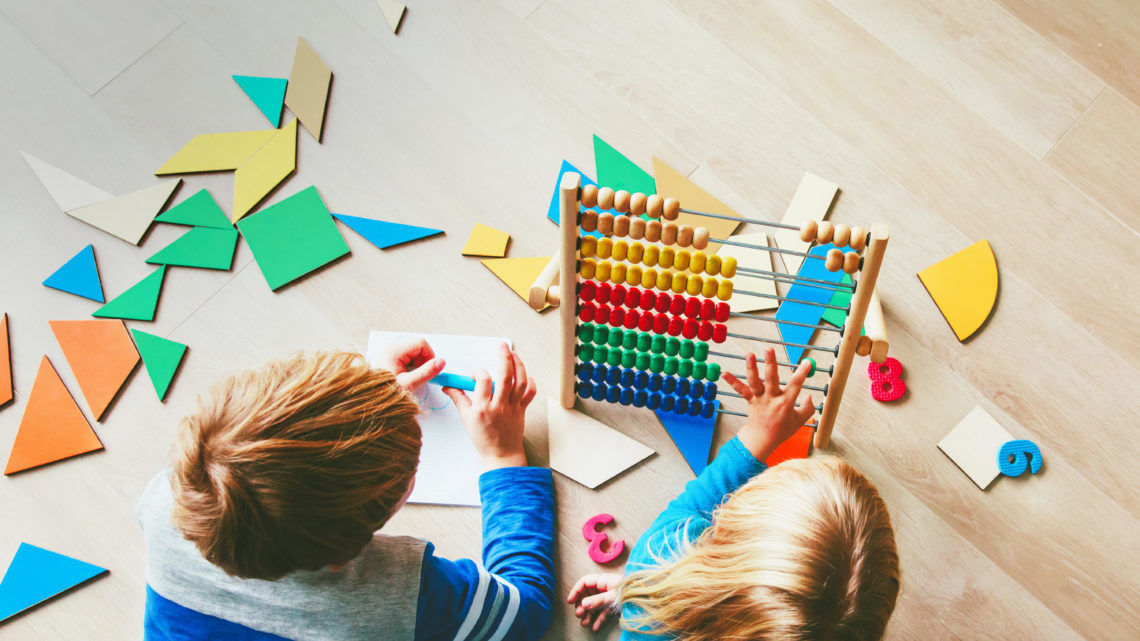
(710, 392)
(654, 383)
(695, 408)
(599, 375)
(626, 396)
(654, 401)
(613, 376)
(667, 402)
(627, 376)
(708, 409)
(669, 385)
(584, 371)
(599, 393)
(641, 380)
(682, 387)
(613, 394)
(696, 389)
(681, 404)
(585, 389)
(640, 398)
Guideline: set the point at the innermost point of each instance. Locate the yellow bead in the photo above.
(666, 257)
(664, 280)
(636, 251)
(605, 247)
(712, 265)
(651, 255)
(621, 249)
(633, 276)
(728, 267)
(649, 278)
(589, 246)
(617, 273)
(696, 284)
(697, 262)
(680, 282)
(587, 268)
(710, 287)
(724, 290)
(682, 260)
(603, 273)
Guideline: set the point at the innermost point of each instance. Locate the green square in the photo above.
(293, 237)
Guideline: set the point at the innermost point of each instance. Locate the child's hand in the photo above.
(772, 414)
(595, 596)
(495, 421)
(412, 361)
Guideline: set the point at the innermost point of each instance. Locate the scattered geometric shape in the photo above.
(965, 287)
(265, 169)
(486, 241)
(216, 152)
(749, 258)
(53, 428)
(6, 388)
(797, 446)
(693, 435)
(588, 451)
(137, 303)
(101, 356)
(203, 247)
(66, 190)
(36, 575)
(384, 234)
(618, 172)
(518, 273)
(599, 540)
(552, 210)
(162, 357)
(79, 276)
(812, 201)
(199, 210)
(1016, 456)
(267, 93)
(809, 314)
(293, 237)
(308, 92)
(129, 216)
(393, 13)
(841, 298)
(886, 380)
(974, 444)
(672, 183)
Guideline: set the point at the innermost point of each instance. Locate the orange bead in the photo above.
(621, 201)
(851, 262)
(588, 196)
(605, 224)
(606, 198)
(858, 238)
(808, 231)
(685, 235)
(637, 228)
(672, 209)
(825, 232)
(653, 231)
(834, 260)
(637, 204)
(589, 221)
(621, 226)
(842, 235)
(669, 233)
(700, 238)
(654, 206)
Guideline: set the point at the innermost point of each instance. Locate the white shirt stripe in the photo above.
(476, 609)
(512, 610)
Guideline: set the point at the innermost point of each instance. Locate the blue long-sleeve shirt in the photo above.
(688, 516)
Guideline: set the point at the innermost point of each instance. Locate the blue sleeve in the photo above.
(510, 598)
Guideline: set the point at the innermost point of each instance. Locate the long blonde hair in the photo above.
(803, 551)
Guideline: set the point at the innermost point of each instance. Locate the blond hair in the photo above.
(803, 551)
(294, 465)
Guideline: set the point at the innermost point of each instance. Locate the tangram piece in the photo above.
(293, 237)
(267, 93)
(384, 234)
(66, 190)
(839, 299)
(5, 363)
(886, 380)
(393, 13)
(486, 241)
(751, 259)
(798, 446)
(1015, 457)
(101, 356)
(265, 169)
(308, 91)
(79, 276)
(518, 273)
(52, 428)
(693, 435)
(974, 444)
(161, 357)
(586, 450)
(965, 287)
(671, 182)
(36, 575)
(810, 314)
(601, 551)
(618, 172)
(552, 209)
(128, 217)
(137, 303)
(216, 152)
(812, 201)
(199, 210)
(203, 247)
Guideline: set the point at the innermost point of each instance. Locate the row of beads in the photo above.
(646, 362)
(677, 282)
(647, 300)
(638, 228)
(665, 257)
(643, 342)
(659, 323)
(840, 235)
(837, 260)
(666, 384)
(624, 202)
(643, 398)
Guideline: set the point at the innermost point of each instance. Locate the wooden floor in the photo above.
(952, 121)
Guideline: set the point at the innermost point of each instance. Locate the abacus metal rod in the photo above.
(775, 250)
(760, 361)
(814, 388)
(720, 411)
(794, 300)
(770, 319)
(789, 278)
(755, 221)
(818, 408)
(774, 341)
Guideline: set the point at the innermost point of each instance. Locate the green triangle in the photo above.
(840, 298)
(199, 210)
(137, 303)
(618, 172)
(200, 247)
(161, 357)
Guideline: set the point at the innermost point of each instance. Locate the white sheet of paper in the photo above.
(449, 467)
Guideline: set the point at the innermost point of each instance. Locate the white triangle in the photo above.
(393, 12)
(68, 191)
(128, 216)
(586, 450)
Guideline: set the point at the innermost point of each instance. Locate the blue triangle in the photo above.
(267, 93)
(79, 276)
(552, 210)
(693, 435)
(384, 234)
(36, 575)
(809, 314)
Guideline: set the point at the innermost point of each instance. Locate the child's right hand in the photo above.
(772, 413)
(495, 419)
(595, 595)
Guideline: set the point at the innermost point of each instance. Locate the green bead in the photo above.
(702, 352)
(643, 341)
(671, 365)
(600, 354)
(616, 335)
(811, 361)
(685, 369)
(586, 332)
(585, 352)
(642, 362)
(601, 332)
(700, 370)
(686, 348)
(672, 346)
(629, 341)
(713, 372)
(658, 344)
(628, 358)
(614, 358)
(656, 363)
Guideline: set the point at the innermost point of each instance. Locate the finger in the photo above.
(520, 379)
(414, 351)
(737, 385)
(579, 588)
(753, 374)
(600, 620)
(796, 382)
(482, 386)
(458, 397)
(529, 392)
(506, 378)
(771, 372)
(424, 373)
(805, 410)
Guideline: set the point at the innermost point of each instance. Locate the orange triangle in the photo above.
(101, 355)
(5, 363)
(53, 428)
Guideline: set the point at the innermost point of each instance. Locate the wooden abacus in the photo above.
(641, 336)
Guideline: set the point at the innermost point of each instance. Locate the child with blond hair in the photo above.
(264, 528)
(802, 551)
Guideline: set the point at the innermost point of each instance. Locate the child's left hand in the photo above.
(595, 595)
(412, 361)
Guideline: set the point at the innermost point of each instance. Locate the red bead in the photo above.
(676, 324)
(617, 296)
(586, 314)
(617, 315)
(677, 305)
(602, 316)
(645, 322)
(633, 297)
(662, 304)
(708, 308)
(720, 333)
(602, 295)
(587, 291)
(660, 323)
(693, 307)
(704, 330)
(689, 330)
(722, 310)
(648, 298)
(631, 318)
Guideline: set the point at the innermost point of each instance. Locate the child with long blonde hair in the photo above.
(803, 551)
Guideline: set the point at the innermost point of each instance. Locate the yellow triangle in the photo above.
(965, 287)
(486, 241)
(393, 12)
(671, 182)
(518, 273)
(216, 152)
(265, 169)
